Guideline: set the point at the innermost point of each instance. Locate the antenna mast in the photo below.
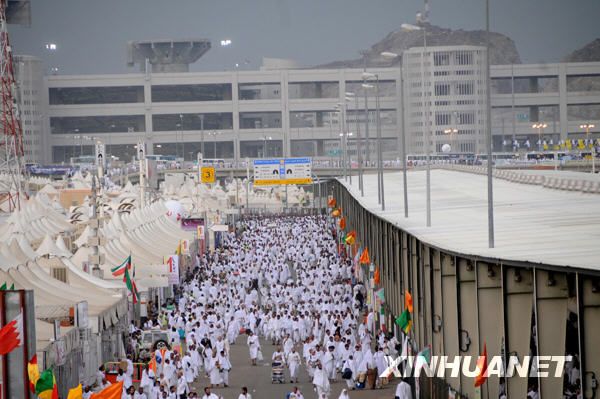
(11, 142)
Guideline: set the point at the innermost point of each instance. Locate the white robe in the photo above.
(253, 346)
(213, 372)
(321, 381)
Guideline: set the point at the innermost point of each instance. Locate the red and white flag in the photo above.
(11, 335)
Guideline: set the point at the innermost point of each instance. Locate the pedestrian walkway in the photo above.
(258, 379)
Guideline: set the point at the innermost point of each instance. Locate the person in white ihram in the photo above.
(403, 390)
(293, 361)
(209, 395)
(344, 394)
(253, 347)
(321, 382)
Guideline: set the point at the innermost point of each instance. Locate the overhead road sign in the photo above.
(282, 171)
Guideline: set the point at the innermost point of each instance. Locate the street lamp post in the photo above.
(202, 134)
(388, 54)
(452, 133)
(587, 127)
(182, 142)
(214, 134)
(425, 106)
(358, 144)
(540, 128)
(380, 184)
(491, 239)
(265, 138)
(340, 107)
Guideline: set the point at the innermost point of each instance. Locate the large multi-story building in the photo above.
(268, 113)
(234, 114)
(29, 76)
(445, 98)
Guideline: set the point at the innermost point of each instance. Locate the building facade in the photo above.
(237, 114)
(29, 75)
(445, 98)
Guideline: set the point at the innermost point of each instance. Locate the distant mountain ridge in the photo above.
(503, 48)
(588, 53)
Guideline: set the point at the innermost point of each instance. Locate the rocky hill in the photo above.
(503, 49)
(588, 53)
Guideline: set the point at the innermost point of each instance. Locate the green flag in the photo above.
(3, 287)
(404, 321)
(12, 287)
(44, 386)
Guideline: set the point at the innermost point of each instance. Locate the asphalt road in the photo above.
(258, 379)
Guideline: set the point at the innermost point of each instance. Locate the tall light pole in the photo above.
(214, 134)
(341, 107)
(380, 185)
(202, 134)
(388, 54)
(452, 132)
(491, 240)
(540, 128)
(359, 144)
(425, 108)
(182, 142)
(265, 138)
(587, 127)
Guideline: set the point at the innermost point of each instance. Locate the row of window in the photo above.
(225, 149)
(211, 121)
(207, 92)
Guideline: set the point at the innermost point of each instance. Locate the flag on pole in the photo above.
(481, 368)
(46, 388)
(423, 357)
(408, 301)
(350, 238)
(33, 372)
(331, 203)
(131, 287)
(120, 270)
(336, 212)
(3, 287)
(342, 223)
(11, 335)
(113, 391)
(380, 294)
(404, 321)
(364, 257)
(76, 393)
(377, 276)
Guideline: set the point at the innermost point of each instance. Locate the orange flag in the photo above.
(408, 302)
(364, 257)
(331, 203)
(113, 391)
(342, 223)
(376, 276)
(481, 368)
(336, 212)
(152, 363)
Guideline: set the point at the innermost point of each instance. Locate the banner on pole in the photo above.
(173, 265)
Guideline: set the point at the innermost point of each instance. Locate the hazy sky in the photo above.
(91, 34)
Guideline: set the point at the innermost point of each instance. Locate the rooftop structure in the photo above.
(166, 55)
